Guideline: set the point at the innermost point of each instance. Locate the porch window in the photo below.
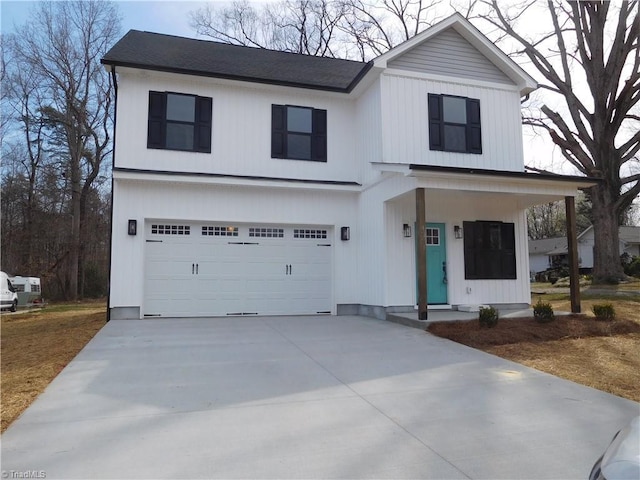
(489, 251)
(454, 124)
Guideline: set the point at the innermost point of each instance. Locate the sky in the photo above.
(170, 16)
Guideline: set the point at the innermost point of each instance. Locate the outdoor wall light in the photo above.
(457, 232)
(406, 230)
(132, 227)
(345, 233)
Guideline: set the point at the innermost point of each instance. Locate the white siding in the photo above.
(450, 54)
(405, 124)
(201, 202)
(538, 263)
(374, 239)
(369, 131)
(241, 138)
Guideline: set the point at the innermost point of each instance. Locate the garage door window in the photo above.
(266, 232)
(158, 229)
(217, 231)
(308, 233)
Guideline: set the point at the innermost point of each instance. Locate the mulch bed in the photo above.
(517, 330)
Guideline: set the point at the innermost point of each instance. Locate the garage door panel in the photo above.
(237, 270)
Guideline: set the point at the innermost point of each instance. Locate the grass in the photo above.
(602, 355)
(37, 345)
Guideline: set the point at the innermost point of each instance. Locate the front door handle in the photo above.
(444, 272)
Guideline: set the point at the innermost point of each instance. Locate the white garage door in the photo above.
(203, 269)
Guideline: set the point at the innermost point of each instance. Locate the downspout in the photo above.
(114, 80)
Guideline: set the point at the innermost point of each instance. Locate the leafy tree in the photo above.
(590, 62)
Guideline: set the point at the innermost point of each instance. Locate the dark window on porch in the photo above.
(489, 251)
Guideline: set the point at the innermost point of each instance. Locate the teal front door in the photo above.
(436, 263)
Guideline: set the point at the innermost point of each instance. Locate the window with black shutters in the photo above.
(454, 124)
(298, 133)
(489, 250)
(179, 122)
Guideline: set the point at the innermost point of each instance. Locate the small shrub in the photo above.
(604, 311)
(488, 317)
(543, 312)
(633, 267)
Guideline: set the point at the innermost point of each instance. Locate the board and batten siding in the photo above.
(241, 129)
(405, 124)
(226, 204)
(369, 131)
(449, 54)
(453, 208)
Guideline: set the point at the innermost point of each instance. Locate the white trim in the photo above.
(186, 178)
(450, 80)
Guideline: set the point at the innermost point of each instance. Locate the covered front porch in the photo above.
(448, 209)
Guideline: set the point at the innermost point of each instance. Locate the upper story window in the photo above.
(454, 124)
(298, 133)
(489, 250)
(179, 122)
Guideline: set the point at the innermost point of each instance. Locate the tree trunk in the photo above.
(606, 251)
(74, 248)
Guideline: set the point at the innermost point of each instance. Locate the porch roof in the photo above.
(529, 188)
(579, 181)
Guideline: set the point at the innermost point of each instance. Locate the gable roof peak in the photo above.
(477, 39)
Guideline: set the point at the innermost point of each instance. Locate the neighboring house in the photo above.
(540, 258)
(550, 252)
(629, 238)
(248, 181)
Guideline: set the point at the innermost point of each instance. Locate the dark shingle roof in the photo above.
(154, 51)
(547, 245)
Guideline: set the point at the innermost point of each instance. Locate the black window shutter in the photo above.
(436, 130)
(202, 131)
(319, 136)
(156, 129)
(509, 251)
(468, 229)
(474, 133)
(278, 131)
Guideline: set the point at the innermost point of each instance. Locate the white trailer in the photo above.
(28, 289)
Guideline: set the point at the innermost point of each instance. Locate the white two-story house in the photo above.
(254, 182)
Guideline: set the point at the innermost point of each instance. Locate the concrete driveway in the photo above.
(304, 397)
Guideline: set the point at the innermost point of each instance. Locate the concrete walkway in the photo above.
(304, 397)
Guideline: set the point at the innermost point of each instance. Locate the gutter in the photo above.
(114, 79)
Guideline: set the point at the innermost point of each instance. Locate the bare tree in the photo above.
(546, 221)
(300, 26)
(60, 47)
(377, 26)
(328, 28)
(590, 62)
